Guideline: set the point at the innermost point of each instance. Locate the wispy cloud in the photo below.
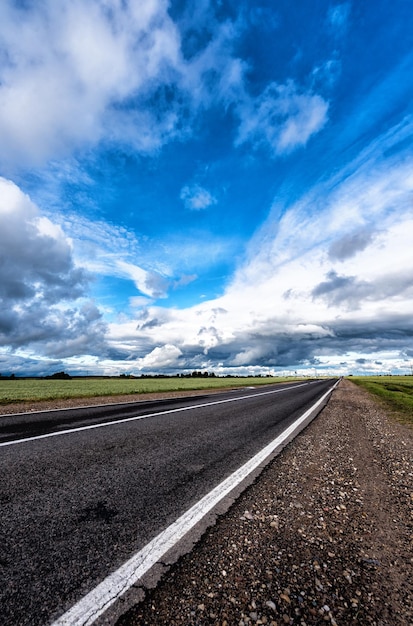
(148, 283)
(283, 118)
(196, 197)
(106, 249)
(338, 16)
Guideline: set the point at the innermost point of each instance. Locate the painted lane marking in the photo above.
(96, 602)
(140, 417)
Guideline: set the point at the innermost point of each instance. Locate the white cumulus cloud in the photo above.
(159, 358)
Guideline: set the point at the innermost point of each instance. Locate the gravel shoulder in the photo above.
(324, 535)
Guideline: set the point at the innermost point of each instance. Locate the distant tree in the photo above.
(59, 376)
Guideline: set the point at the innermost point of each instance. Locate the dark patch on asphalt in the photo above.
(99, 512)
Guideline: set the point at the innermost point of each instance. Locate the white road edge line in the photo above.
(141, 417)
(95, 603)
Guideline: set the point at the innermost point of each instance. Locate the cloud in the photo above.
(263, 17)
(76, 74)
(196, 197)
(283, 118)
(69, 69)
(213, 74)
(36, 257)
(325, 279)
(353, 293)
(149, 283)
(139, 301)
(40, 284)
(325, 76)
(102, 248)
(350, 244)
(184, 280)
(338, 17)
(339, 289)
(159, 358)
(319, 285)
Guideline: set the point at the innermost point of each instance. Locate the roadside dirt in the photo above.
(324, 535)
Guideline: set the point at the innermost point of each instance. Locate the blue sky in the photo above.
(224, 186)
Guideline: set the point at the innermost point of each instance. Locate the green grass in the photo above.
(34, 389)
(395, 391)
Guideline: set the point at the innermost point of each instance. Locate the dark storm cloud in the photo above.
(151, 324)
(35, 256)
(350, 292)
(342, 290)
(305, 349)
(57, 332)
(23, 366)
(40, 284)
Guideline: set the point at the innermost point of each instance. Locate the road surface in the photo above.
(83, 490)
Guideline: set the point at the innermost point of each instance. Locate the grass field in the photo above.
(34, 390)
(395, 391)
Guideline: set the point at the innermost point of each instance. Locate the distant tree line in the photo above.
(194, 374)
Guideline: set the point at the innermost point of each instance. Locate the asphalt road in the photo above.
(76, 506)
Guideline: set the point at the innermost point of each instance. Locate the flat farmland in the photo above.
(395, 391)
(30, 390)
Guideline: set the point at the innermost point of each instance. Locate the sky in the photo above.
(214, 185)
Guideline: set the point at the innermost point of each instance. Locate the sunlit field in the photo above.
(395, 391)
(34, 389)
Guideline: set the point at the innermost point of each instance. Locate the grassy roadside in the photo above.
(35, 390)
(395, 391)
